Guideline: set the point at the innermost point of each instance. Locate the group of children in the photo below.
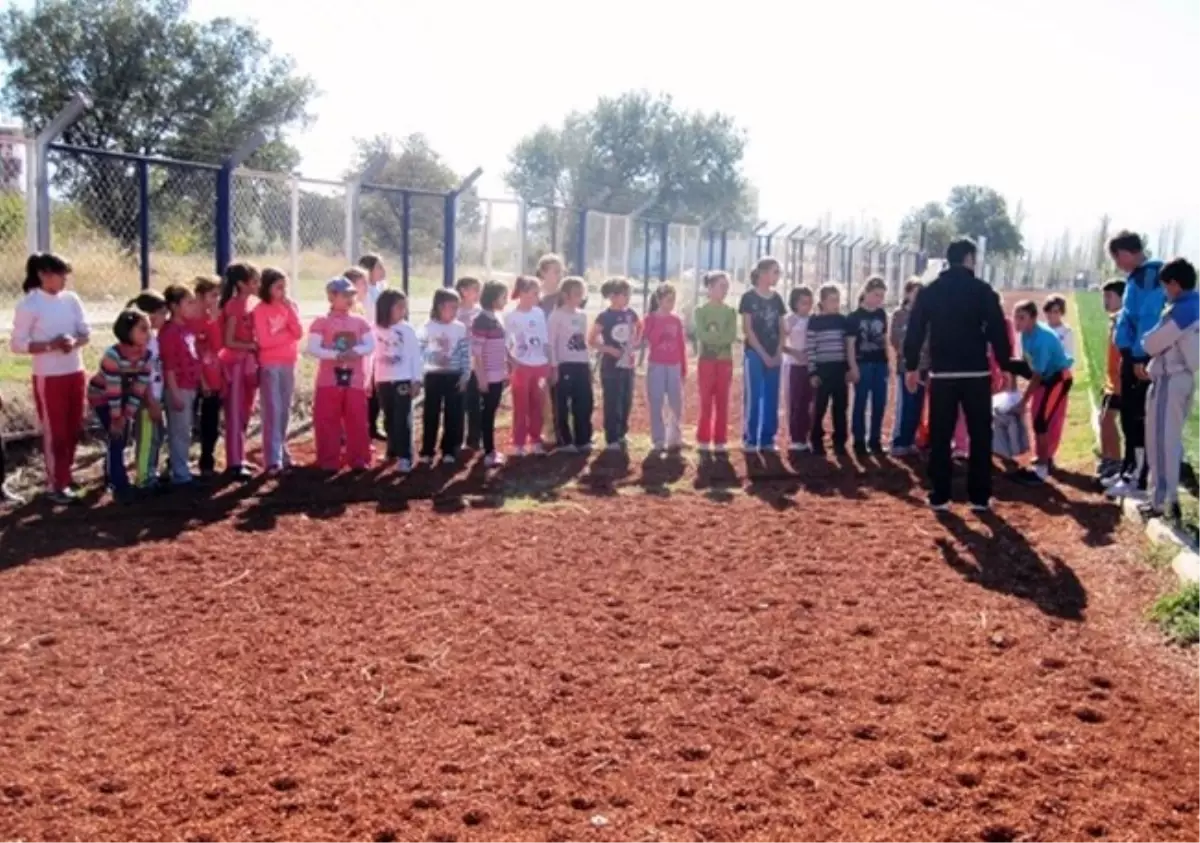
(187, 355)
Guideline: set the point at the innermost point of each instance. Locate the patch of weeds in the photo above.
(1159, 555)
(1178, 613)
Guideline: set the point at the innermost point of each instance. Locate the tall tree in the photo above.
(969, 211)
(160, 83)
(939, 229)
(637, 151)
(410, 161)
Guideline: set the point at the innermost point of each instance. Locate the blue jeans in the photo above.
(908, 414)
(761, 387)
(114, 460)
(872, 385)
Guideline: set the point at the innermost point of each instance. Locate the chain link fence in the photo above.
(497, 251)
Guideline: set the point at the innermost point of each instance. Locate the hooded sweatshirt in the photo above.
(1141, 308)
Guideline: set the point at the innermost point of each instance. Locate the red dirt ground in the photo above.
(663, 650)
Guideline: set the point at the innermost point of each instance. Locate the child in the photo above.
(181, 372)
(1049, 384)
(527, 339)
(489, 364)
(207, 329)
(869, 326)
(1174, 348)
(342, 341)
(468, 294)
(667, 370)
(118, 392)
(50, 326)
(1055, 308)
(908, 404)
(716, 331)
(832, 366)
(149, 428)
(800, 392)
(277, 333)
(549, 273)
(570, 368)
(616, 333)
(239, 362)
(763, 314)
(447, 371)
(370, 280)
(7, 496)
(1111, 458)
(397, 374)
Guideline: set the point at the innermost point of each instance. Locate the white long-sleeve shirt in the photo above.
(42, 317)
(397, 354)
(528, 336)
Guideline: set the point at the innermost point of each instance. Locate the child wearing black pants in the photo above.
(571, 368)
(832, 367)
(447, 355)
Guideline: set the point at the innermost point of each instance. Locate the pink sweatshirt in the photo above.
(334, 333)
(664, 337)
(277, 331)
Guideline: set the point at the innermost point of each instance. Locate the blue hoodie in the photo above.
(1141, 309)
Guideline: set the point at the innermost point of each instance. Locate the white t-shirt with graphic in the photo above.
(527, 336)
(397, 354)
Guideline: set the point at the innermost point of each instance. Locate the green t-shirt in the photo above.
(716, 329)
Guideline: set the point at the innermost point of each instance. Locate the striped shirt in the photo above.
(123, 380)
(827, 334)
(489, 346)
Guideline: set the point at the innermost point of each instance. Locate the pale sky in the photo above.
(1078, 107)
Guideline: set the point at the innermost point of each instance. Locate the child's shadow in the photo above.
(605, 473)
(660, 471)
(716, 478)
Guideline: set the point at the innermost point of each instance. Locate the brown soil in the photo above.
(589, 649)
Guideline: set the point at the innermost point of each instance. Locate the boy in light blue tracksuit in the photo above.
(1141, 308)
(1174, 347)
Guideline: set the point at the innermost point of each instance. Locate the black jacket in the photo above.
(962, 316)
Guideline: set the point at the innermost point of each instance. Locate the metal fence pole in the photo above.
(294, 233)
(662, 255)
(607, 245)
(143, 174)
(71, 112)
(581, 244)
(487, 238)
(405, 225)
(224, 212)
(31, 195)
(449, 227)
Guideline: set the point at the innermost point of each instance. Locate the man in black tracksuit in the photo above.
(961, 315)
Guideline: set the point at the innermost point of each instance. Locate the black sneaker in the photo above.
(62, 497)
(240, 473)
(980, 508)
(840, 450)
(861, 450)
(817, 449)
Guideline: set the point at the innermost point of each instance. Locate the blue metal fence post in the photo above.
(143, 173)
(405, 226)
(581, 244)
(662, 255)
(724, 248)
(224, 210)
(712, 247)
(646, 266)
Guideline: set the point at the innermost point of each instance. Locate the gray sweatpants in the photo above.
(1167, 404)
(665, 381)
(276, 384)
(179, 435)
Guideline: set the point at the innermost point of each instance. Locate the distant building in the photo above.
(12, 157)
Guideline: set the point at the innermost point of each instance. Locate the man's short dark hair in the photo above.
(1117, 285)
(1181, 272)
(1125, 241)
(959, 251)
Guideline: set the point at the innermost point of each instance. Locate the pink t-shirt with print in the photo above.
(342, 331)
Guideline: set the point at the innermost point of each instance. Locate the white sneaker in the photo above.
(1125, 489)
(448, 460)
(538, 449)
(799, 448)
(750, 449)
(942, 506)
(981, 507)
(613, 446)
(425, 461)
(493, 459)
(1041, 470)
(404, 466)
(768, 449)
(586, 448)
(519, 451)
(702, 447)
(658, 446)
(1113, 479)
(719, 449)
(569, 449)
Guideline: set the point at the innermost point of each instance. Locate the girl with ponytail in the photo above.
(49, 324)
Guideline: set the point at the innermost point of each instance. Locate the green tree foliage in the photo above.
(969, 211)
(633, 151)
(160, 84)
(411, 162)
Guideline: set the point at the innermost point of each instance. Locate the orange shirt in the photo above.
(1112, 375)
